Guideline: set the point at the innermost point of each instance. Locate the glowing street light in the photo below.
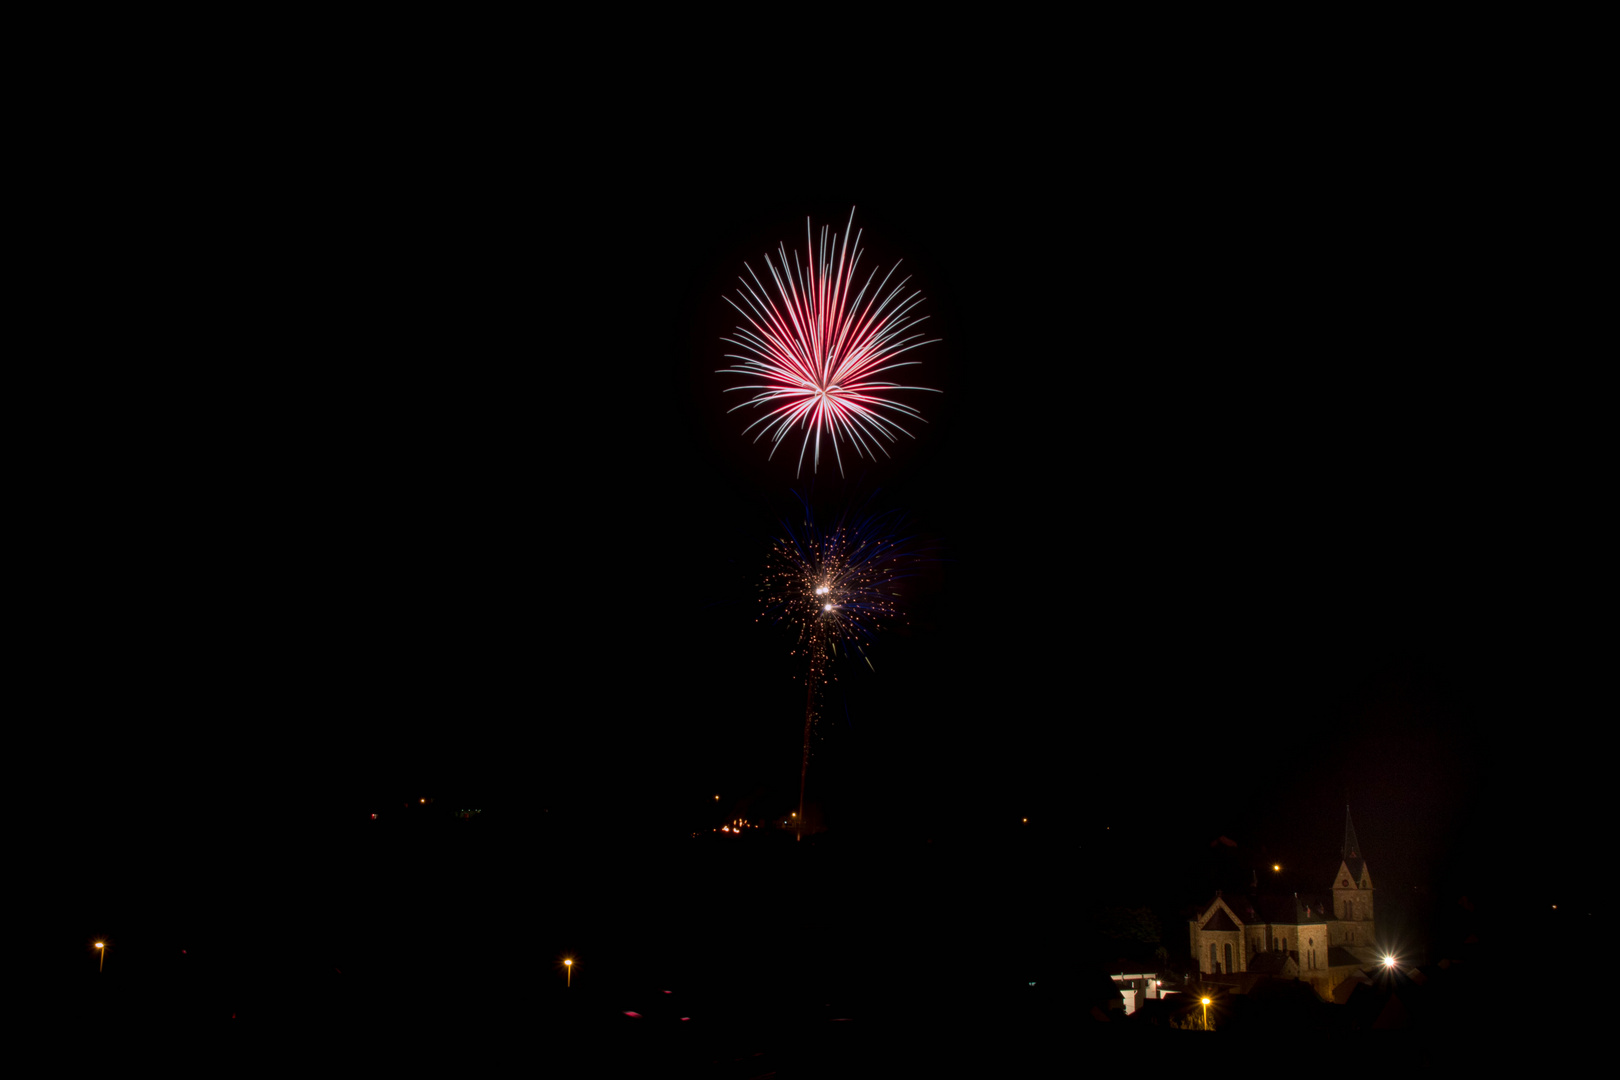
(568, 965)
(1276, 867)
(101, 947)
(1205, 1003)
(1389, 962)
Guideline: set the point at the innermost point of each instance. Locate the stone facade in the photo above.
(1217, 940)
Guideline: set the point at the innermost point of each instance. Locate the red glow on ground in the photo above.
(637, 1015)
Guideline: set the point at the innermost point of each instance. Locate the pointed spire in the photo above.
(1352, 849)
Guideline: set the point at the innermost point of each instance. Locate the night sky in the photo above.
(1251, 486)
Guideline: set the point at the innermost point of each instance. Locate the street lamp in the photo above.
(1205, 1003)
(568, 965)
(102, 948)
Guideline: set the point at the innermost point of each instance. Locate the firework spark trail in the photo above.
(835, 586)
(820, 353)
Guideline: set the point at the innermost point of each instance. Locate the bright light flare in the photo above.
(818, 354)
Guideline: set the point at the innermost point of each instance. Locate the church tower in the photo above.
(1351, 926)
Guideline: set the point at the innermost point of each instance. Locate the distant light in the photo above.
(1203, 1001)
(568, 963)
(1276, 866)
(794, 814)
(99, 945)
(1026, 822)
(1389, 961)
(423, 800)
(826, 607)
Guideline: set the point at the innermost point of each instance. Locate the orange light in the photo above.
(99, 945)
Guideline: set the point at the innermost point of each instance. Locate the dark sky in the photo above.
(1251, 491)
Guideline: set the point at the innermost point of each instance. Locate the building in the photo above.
(1137, 987)
(1322, 938)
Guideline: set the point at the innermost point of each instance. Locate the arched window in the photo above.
(1214, 961)
(1229, 967)
(1347, 909)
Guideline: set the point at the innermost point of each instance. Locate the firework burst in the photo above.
(836, 588)
(821, 356)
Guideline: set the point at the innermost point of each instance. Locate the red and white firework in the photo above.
(821, 356)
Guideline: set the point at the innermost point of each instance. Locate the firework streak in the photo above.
(820, 355)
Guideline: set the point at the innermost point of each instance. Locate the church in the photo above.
(1322, 938)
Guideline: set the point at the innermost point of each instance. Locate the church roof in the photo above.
(1352, 847)
(1279, 909)
(1220, 921)
(1339, 956)
(1354, 865)
(1272, 962)
(1314, 908)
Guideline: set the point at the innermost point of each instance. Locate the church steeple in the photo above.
(1352, 849)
